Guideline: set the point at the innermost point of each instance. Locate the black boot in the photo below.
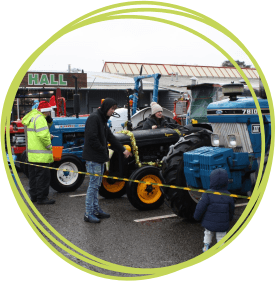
(45, 201)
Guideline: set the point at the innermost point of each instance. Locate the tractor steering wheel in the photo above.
(116, 115)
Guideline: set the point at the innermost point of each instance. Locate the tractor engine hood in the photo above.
(238, 111)
(150, 137)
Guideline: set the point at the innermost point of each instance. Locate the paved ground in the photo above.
(119, 239)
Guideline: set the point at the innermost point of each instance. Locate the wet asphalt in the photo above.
(119, 239)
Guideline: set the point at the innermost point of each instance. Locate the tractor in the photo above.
(234, 144)
(152, 146)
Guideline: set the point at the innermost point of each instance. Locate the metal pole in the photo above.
(155, 87)
(87, 102)
(129, 124)
(76, 98)
(135, 99)
(18, 117)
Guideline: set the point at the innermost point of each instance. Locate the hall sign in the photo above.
(47, 79)
(33, 79)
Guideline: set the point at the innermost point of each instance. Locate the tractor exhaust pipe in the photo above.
(76, 98)
(129, 124)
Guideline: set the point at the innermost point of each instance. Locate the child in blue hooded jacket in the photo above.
(215, 211)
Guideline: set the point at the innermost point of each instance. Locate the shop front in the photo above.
(42, 86)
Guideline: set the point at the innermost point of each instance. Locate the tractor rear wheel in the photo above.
(145, 197)
(182, 202)
(112, 188)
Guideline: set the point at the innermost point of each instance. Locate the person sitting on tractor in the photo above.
(156, 120)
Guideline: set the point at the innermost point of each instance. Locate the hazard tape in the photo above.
(144, 182)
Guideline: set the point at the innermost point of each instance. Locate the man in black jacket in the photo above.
(95, 152)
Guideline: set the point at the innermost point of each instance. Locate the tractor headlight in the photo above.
(215, 139)
(233, 141)
(127, 147)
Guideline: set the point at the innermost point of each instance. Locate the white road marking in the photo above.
(240, 205)
(173, 215)
(84, 194)
(156, 218)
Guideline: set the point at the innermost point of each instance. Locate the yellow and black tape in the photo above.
(137, 181)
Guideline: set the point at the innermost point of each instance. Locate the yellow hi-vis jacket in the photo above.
(38, 141)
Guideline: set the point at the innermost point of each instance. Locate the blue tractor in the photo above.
(234, 144)
(69, 133)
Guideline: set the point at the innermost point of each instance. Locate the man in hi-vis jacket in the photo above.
(39, 151)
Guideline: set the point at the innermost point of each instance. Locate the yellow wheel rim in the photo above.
(112, 187)
(149, 194)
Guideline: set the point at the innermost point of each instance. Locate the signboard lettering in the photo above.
(48, 79)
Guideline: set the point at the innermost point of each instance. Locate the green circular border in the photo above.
(31, 213)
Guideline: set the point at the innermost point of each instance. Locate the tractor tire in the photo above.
(111, 188)
(182, 202)
(144, 197)
(24, 167)
(67, 181)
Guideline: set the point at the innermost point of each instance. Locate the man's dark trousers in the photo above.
(39, 181)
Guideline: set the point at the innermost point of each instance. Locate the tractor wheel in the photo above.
(62, 181)
(111, 188)
(145, 197)
(182, 202)
(24, 167)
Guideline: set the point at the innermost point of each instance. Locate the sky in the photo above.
(137, 41)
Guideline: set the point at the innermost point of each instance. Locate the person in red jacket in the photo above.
(95, 152)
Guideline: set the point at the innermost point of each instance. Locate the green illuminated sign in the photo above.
(46, 79)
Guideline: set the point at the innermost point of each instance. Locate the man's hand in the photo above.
(127, 153)
(52, 136)
(154, 127)
(49, 119)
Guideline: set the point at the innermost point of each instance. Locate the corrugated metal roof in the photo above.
(101, 80)
(183, 70)
(107, 78)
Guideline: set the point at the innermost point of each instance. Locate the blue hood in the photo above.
(219, 179)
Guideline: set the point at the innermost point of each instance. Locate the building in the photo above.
(179, 76)
(178, 79)
(91, 86)
(114, 80)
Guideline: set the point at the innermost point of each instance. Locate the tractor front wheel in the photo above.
(145, 196)
(112, 188)
(65, 181)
